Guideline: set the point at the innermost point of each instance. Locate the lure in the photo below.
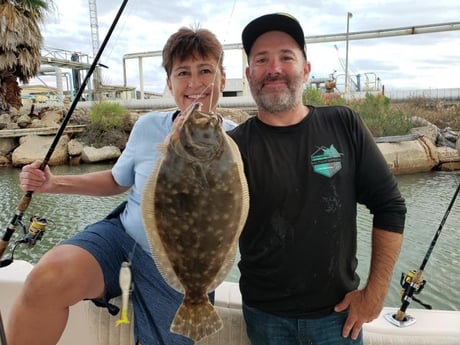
(125, 285)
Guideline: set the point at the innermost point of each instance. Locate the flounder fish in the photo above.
(194, 207)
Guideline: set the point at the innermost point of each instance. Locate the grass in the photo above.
(437, 112)
(386, 118)
(108, 125)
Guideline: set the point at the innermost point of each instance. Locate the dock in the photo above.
(15, 133)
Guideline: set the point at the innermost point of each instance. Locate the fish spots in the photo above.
(194, 206)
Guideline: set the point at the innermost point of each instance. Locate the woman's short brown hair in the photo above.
(188, 42)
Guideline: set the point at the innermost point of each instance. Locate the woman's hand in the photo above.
(32, 179)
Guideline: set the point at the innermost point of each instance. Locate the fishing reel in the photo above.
(410, 282)
(30, 236)
(35, 232)
(409, 279)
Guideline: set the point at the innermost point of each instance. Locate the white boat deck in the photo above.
(91, 325)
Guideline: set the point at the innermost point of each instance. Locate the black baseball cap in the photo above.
(273, 22)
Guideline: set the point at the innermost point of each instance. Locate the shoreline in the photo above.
(26, 138)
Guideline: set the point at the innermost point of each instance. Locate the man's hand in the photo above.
(362, 307)
(365, 305)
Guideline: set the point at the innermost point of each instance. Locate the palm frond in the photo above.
(20, 44)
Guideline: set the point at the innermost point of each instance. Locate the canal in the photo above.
(427, 196)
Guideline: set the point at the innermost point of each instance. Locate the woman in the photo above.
(87, 265)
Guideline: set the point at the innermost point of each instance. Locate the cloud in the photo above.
(418, 61)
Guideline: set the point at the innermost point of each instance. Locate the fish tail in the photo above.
(196, 321)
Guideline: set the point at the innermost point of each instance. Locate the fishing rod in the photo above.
(25, 201)
(2, 332)
(413, 282)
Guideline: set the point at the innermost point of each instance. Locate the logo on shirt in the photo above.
(326, 161)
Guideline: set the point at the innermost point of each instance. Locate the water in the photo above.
(427, 195)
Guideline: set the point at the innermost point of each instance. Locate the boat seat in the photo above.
(228, 306)
(91, 325)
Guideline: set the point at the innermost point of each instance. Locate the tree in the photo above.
(20, 46)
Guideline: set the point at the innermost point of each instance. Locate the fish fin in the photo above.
(231, 255)
(242, 178)
(159, 254)
(196, 321)
(225, 269)
(162, 148)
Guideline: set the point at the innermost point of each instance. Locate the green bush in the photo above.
(312, 95)
(378, 114)
(109, 125)
(381, 118)
(108, 115)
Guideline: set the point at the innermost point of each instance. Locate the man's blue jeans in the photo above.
(268, 329)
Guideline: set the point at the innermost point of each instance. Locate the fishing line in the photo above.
(219, 61)
(217, 67)
(121, 27)
(131, 255)
(413, 282)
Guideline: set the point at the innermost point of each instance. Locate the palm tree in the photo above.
(20, 46)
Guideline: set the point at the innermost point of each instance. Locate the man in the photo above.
(87, 265)
(307, 168)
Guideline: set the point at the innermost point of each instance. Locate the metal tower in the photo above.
(95, 42)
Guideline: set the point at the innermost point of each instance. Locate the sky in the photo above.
(425, 61)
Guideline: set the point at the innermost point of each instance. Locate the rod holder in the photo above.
(405, 322)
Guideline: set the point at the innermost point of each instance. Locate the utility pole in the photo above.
(349, 15)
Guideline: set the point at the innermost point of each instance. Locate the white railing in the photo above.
(447, 94)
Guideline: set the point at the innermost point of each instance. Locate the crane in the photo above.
(353, 85)
(367, 81)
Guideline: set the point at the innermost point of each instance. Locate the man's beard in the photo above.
(278, 102)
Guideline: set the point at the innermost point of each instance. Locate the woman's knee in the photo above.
(67, 272)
